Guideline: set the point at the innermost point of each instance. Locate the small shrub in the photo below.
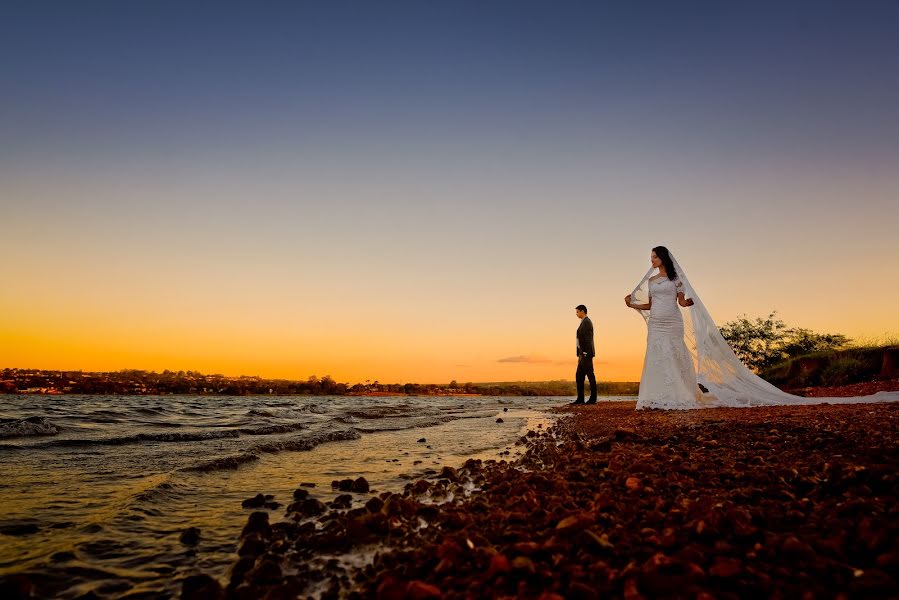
(844, 370)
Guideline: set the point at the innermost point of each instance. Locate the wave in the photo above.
(293, 412)
(258, 412)
(27, 427)
(271, 429)
(393, 425)
(303, 444)
(308, 442)
(192, 436)
(186, 436)
(160, 492)
(416, 422)
(225, 462)
(149, 410)
(382, 412)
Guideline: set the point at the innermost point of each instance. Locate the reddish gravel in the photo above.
(787, 502)
(855, 389)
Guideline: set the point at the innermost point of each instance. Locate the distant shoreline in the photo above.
(140, 383)
(345, 395)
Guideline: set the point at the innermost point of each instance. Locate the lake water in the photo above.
(97, 490)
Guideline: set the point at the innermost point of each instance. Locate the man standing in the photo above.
(585, 353)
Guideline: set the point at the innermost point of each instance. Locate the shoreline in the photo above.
(611, 502)
(864, 388)
(177, 521)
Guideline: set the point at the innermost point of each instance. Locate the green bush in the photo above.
(844, 370)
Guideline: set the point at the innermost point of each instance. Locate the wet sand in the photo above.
(723, 503)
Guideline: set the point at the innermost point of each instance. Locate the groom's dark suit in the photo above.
(585, 353)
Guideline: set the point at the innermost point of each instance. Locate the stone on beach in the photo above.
(344, 485)
(449, 473)
(255, 502)
(309, 507)
(342, 501)
(618, 503)
(257, 522)
(190, 536)
(201, 587)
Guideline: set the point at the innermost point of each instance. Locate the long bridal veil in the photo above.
(728, 381)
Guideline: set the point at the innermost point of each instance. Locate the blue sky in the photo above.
(489, 157)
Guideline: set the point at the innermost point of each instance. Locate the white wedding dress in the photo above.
(685, 349)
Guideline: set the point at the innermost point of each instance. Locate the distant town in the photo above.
(137, 382)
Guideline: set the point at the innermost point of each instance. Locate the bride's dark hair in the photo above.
(665, 257)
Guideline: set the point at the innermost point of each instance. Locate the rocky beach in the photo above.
(785, 502)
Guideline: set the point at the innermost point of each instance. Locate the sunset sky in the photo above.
(423, 191)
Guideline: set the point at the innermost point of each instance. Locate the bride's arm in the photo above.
(682, 300)
(648, 306)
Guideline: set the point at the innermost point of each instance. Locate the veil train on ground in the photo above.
(728, 381)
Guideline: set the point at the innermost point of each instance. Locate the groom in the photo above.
(585, 353)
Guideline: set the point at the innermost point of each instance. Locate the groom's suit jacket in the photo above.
(585, 338)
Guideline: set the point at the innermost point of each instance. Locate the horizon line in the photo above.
(366, 382)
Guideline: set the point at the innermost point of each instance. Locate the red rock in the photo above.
(421, 487)
(599, 541)
(523, 563)
(392, 588)
(889, 560)
(419, 590)
(568, 523)
(449, 473)
(630, 590)
(582, 591)
(374, 504)
(726, 567)
(448, 549)
(255, 502)
(525, 548)
(792, 545)
(499, 565)
(201, 587)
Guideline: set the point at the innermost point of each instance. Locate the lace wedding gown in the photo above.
(668, 379)
(685, 350)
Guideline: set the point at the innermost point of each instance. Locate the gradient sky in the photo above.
(423, 191)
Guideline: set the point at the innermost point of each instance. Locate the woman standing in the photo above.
(688, 362)
(668, 379)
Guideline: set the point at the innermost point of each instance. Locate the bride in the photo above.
(688, 363)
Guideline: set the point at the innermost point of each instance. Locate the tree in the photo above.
(762, 343)
(804, 341)
(757, 342)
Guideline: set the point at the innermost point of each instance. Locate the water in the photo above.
(96, 490)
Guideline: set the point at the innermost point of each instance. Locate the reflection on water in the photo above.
(101, 505)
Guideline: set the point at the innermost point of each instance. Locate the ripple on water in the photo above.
(29, 426)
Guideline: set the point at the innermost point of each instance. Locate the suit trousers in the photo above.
(585, 369)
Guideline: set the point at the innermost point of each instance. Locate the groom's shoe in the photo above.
(578, 401)
(592, 400)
